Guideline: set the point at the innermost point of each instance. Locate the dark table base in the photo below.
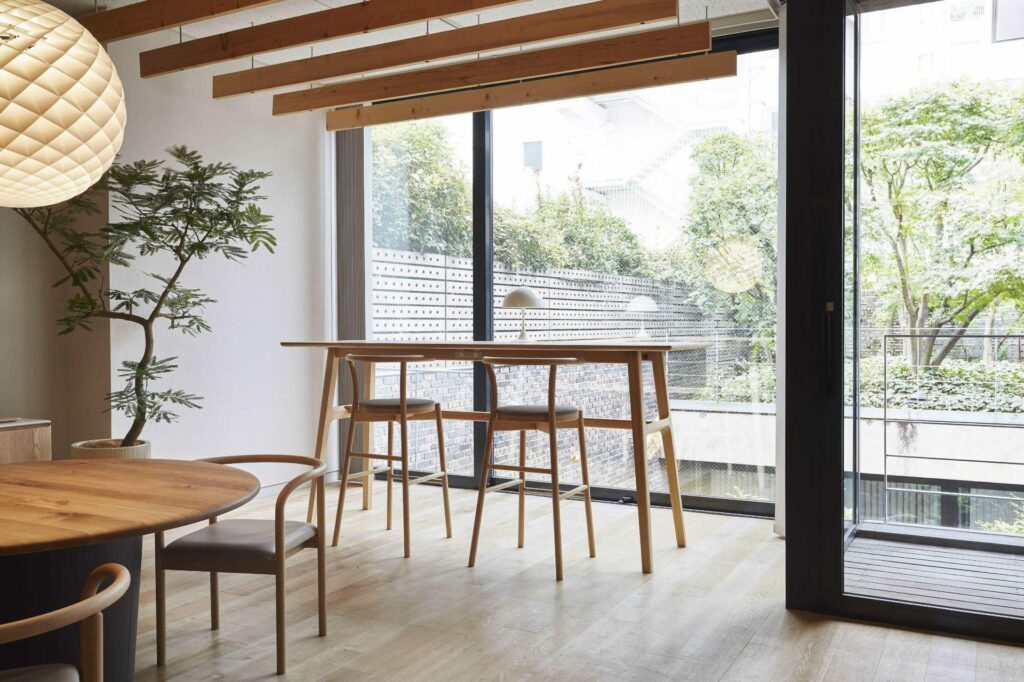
(31, 584)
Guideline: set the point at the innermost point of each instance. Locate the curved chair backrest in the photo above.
(88, 612)
(401, 360)
(552, 363)
(317, 470)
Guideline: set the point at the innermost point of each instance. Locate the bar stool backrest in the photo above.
(401, 360)
(552, 363)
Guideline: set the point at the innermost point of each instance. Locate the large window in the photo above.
(421, 188)
(653, 214)
(646, 214)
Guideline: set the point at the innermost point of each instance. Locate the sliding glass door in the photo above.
(938, 251)
(904, 428)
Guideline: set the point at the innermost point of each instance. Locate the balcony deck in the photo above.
(963, 579)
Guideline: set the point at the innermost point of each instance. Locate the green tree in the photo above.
(421, 199)
(943, 212)
(187, 212)
(569, 230)
(733, 200)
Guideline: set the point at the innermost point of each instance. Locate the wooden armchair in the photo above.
(88, 612)
(247, 546)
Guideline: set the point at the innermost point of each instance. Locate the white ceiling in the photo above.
(690, 10)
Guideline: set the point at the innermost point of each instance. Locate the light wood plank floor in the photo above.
(713, 611)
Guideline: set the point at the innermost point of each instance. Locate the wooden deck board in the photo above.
(988, 582)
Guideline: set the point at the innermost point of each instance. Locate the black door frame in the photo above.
(812, 54)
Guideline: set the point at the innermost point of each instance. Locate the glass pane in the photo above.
(850, 299)
(941, 218)
(422, 271)
(651, 214)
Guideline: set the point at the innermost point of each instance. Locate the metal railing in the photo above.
(908, 414)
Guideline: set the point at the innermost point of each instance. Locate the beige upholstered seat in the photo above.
(41, 673)
(393, 405)
(538, 411)
(249, 539)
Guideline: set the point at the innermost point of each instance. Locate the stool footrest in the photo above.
(428, 477)
(528, 470)
(575, 491)
(369, 472)
(380, 458)
(503, 485)
(657, 426)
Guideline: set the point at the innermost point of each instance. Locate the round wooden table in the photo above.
(60, 520)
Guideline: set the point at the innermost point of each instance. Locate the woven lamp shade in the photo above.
(62, 111)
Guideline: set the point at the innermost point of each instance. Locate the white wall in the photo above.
(43, 375)
(258, 397)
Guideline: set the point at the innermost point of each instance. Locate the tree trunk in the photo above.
(989, 353)
(140, 390)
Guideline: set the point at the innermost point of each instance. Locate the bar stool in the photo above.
(399, 410)
(524, 418)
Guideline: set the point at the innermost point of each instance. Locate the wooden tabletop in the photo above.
(54, 505)
(639, 345)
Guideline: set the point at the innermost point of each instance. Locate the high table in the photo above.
(60, 520)
(632, 354)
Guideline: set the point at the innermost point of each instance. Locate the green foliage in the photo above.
(956, 385)
(190, 211)
(1014, 527)
(740, 382)
(734, 196)
(422, 202)
(569, 231)
(943, 210)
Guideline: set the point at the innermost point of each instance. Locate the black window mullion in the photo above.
(483, 270)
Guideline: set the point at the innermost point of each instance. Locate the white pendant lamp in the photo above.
(62, 110)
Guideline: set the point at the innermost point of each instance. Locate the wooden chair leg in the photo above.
(161, 602)
(346, 464)
(280, 613)
(484, 477)
(390, 474)
(321, 558)
(444, 470)
(556, 502)
(406, 530)
(522, 489)
(585, 469)
(214, 603)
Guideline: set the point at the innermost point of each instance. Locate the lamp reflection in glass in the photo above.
(523, 298)
(642, 305)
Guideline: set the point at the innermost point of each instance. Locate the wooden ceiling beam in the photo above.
(150, 16)
(559, 23)
(304, 29)
(618, 79)
(622, 49)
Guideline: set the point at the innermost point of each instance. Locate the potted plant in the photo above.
(182, 213)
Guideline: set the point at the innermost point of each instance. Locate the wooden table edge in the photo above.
(75, 541)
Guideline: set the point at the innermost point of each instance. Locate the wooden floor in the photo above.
(713, 611)
(988, 582)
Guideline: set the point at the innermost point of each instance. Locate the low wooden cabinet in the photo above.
(25, 440)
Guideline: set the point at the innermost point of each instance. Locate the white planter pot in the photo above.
(109, 449)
